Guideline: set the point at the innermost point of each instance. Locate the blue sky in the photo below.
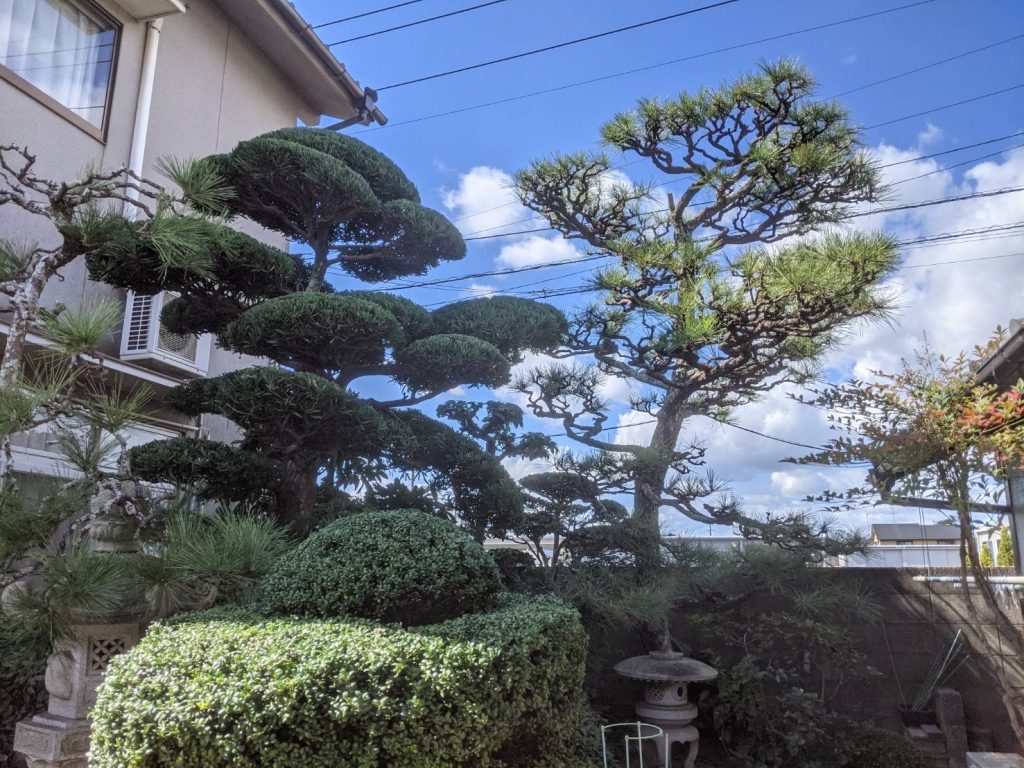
(461, 162)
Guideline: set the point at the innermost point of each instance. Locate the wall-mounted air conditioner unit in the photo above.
(144, 338)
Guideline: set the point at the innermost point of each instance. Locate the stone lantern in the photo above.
(665, 703)
(59, 737)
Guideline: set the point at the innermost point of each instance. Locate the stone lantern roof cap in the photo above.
(666, 666)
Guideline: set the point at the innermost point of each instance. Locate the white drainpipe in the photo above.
(142, 106)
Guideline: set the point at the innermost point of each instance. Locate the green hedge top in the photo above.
(395, 565)
(234, 688)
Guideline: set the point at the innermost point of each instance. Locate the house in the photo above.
(1004, 369)
(913, 534)
(115, 83)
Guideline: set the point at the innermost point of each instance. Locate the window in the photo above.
(64, 48)
(948, 541)
(904, 542)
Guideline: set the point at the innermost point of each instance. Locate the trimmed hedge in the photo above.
(878, 748)
(234, 688)
(395, 565)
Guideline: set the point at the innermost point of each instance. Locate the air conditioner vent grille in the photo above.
(138, 323)
(182, 345)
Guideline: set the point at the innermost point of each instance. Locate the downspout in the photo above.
(137, 158)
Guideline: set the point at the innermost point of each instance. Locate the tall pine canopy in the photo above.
(734, 284)
(348, 209)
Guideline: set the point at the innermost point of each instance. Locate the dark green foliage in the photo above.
(326, 331)
(120, 253)
(878, 748)
(284, 411)
(396, 565)
(215, 470)
(496, 428)
(438, 363)
(481, 493)
(512, 564)
(230, 687)
(23, 652)
(413, 319)
(511, 324)
(334, 191)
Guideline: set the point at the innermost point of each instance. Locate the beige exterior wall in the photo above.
(213, 88)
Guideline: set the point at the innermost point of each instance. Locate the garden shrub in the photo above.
(23, 652)
(394, 565)
(233, 687)
(878, 748)
(512, 564)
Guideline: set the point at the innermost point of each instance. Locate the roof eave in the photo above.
(289, 41)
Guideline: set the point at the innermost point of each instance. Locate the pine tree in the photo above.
(1004, 550)
(702, 312)
(357, 213)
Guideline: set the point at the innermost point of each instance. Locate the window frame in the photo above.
(33, 91)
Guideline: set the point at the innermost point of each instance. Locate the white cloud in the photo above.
(537, 250)
(478, 290)
(849, 59)
(483, 200)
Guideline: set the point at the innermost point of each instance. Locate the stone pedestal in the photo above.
(60, 737)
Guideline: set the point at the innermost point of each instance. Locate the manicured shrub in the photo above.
(395, 565)
(878, 748)
(512, 564)
(235, 688)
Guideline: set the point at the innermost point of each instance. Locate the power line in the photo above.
(928, 66)
(891, 209)
(966, 235)
(556, 46)
(649, 67)
(416, 23)
(364, 15)
(946, 106)
(956, 165)
(670, 181)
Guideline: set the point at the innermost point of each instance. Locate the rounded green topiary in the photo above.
(329, 331)
(394, 566)
(446, 360)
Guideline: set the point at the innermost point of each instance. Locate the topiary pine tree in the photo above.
(357, 212)
(702, 313)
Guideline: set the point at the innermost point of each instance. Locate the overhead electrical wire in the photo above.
(323, 24)
(946, 106)
(967, 235)
(928, 66)
(556, 46)
(469, 235)
(416, 23)
(649, 67)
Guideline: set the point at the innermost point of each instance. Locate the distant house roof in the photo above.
(913, 531)
(1006, 366)
(289, 41)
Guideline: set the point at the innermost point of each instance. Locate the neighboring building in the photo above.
(1005, 369)
(913, 534)
(125, 83)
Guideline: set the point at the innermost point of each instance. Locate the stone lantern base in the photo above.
(52, 741)
(59, 737)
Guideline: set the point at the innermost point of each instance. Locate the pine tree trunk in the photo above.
(650, 483)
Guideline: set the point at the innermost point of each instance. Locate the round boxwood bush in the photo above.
(394, 566)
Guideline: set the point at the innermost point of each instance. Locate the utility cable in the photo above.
(922, 68)
(556, 46)
(946, 106)
(415, 23)
(364, 15)
(649, 67)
